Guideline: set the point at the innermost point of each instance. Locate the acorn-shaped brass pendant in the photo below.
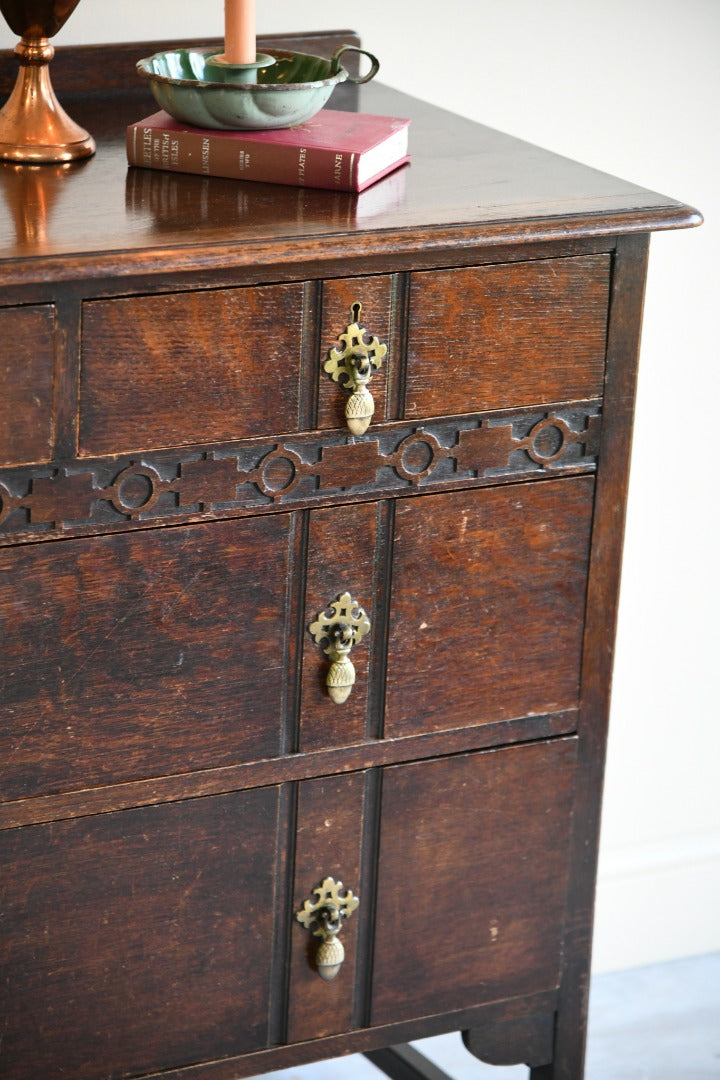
(329, 958)
(340, 679)
(359, 410)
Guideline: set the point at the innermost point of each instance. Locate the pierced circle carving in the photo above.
(134, 490)
(277, 473)
(415, 457)
(550, 434)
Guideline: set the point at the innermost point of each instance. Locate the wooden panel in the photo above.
(505, 336)
(329, 832)
(206, 366)
(374, 293)
(132, 656)
(26, 378)
(470, 892)
(341, 558)
(629, 273)
(488, 600)
(137, 941)
(314, 468)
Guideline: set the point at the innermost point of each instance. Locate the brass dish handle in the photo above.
(324, 917)
(341, 626)
(352, 366)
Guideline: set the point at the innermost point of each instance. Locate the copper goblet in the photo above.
(33, 125)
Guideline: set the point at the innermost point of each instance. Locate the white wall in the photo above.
(632, 88)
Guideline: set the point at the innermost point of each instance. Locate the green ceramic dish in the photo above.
(187, 84)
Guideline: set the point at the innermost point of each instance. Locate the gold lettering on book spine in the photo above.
(147, 146)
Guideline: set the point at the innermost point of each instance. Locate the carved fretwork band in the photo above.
(176, 485)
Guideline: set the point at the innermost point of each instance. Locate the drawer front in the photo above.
(136, 655)
(508, 336)
(187, 368)
(488, 604)
(137, 941)
(26, 378)
(224, 365)
(472, 873)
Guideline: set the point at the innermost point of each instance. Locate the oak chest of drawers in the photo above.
(198, 556)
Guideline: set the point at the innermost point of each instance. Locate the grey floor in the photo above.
(653, 1023)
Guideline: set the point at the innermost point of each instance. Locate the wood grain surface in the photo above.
(137, 941)
(143, 223)
(126, 657)
(168, 370)
(494, 337)
(488, 604)
(26, 378)
(473, 865)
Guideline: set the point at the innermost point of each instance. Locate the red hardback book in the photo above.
(342, 151)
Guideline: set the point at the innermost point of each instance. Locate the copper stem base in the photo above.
(34, 127)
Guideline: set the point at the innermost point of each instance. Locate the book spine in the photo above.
(208, 155)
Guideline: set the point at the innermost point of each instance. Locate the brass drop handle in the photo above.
(341, 626)
(324, 917)
(352, 366)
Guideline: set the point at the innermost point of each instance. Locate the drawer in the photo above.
(26, 378)
(472, 872)
(166, 936)
(133, 656)
(189, 367)
(496, 337)
(173, 650)
(488, 604)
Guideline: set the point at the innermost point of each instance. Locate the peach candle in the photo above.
(240, 47)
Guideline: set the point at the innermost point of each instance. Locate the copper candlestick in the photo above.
(34, 127)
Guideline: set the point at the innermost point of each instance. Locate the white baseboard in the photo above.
(657, 902)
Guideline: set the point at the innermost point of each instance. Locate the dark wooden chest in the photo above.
(191, 537)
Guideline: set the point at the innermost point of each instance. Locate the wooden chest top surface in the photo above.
(466, 185)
